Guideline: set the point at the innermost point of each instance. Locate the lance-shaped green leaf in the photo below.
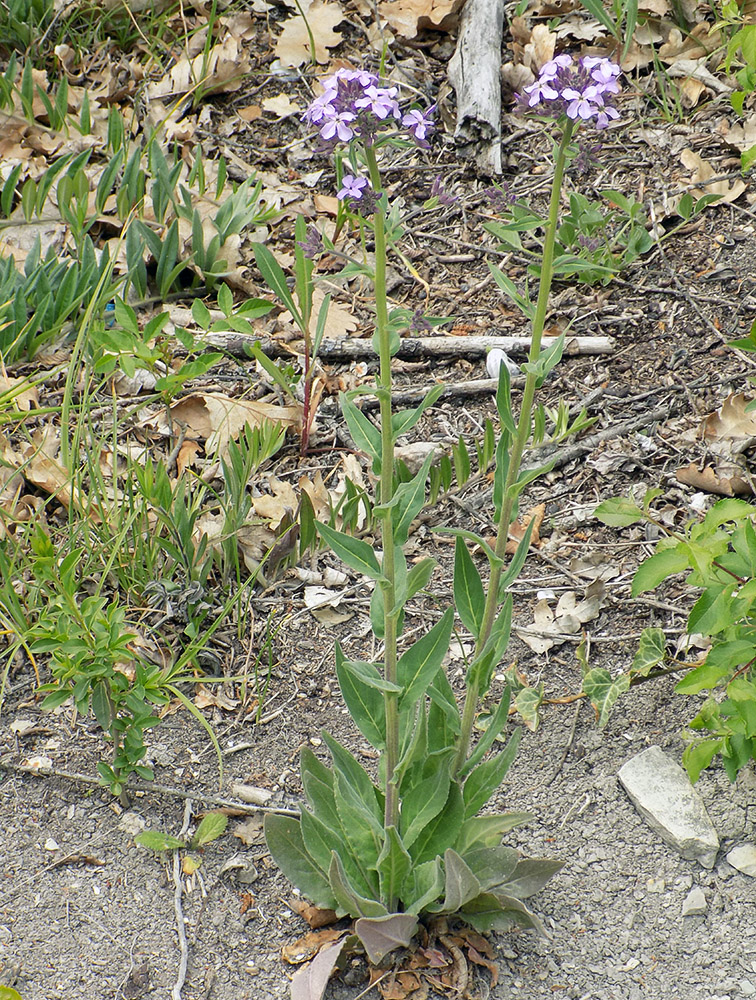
(365, 434)
(460, 884)
(345, 765)
(419, 664)
(486, 778)
(419, 576)
(469, 597)
(444, 719)
(275, 279)
(442, 831)
(424, 885)
(409, 499)
(394, 864)
(481, 669)
(495, 911)
(423, 801)
(495, 726)
(283, 835)
(478, 540)
(405, 420)
(492, 866)
(618, 512)
(501, 469)
(487, 831)
(362, 840)
(365, 703)
(320, 839)
(603, 691)
(381, 935)
(157, 841)
(349, 899)
(368, 674)
(317, 781)
(530, 876)
(512, 571)
(354, 552)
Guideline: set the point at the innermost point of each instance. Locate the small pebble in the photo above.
(694, 903)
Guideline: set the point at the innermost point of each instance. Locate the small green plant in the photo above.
(743, 41)
(718, 554)
(212, 826)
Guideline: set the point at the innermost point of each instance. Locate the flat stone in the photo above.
(743, 857)
(662, 793)
(694, 904)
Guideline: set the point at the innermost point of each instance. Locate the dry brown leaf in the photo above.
(251, 830)
(23, 395)
(274, 505)
(408, 17)
(293, 44)
(281, 106)
(318, 494)
(540, 47)
(551, 627)
(697, 44)
(222, 70)
(186, 455)
(315, 917)
(250, 113)
(731, 423)
(719, 482)
(215, 418)
(518, 529)
(703, 171)
(214, 698)
(741, 136)
(309, 946)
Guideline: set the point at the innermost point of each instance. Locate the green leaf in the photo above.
(419, 576)
(618, 512)
(492, 866)
(460, 885)
(487, 831)
(394, 864)
(651, 651)
(321, 839)
(495, 726)
(101, 705)
(697, 756)
(409, 500)
(275, 279)
(494, 911)
(365, 434)
(469, 597)
(213, 825)
(516, 563)
(424, 885)
(420, 663)
(528, 702)
(7, 992)
(712, 612)
(442, 831)
(424, 801)
(347, 767)
(486, 778)
(368, 674)
(405, 420)
(530, 876)
(444, 712)
(382, 935)
(349, 899)
(283, 835)
(657, 568)
(157, 841)
(358, 555)
(365, 703)
(603, 691)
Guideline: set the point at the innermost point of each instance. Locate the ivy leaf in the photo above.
(603, 691)
(651, 651)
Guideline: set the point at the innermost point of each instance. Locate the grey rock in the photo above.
(743, 857)
(694, 904)
(662, 793)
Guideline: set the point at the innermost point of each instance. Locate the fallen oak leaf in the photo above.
(293, 44)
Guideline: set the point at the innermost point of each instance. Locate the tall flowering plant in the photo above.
(411, 844)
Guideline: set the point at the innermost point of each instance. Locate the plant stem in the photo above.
(383, 343)
(520, 440)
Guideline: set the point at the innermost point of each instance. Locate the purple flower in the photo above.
(313, 245)
(582, 91)
(418, 323)
(351, 187)
(500, 197)
(381, 101)
(337, 126)
(438, 191)
(419, 124)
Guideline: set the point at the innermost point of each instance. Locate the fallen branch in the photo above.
(474, 72)
(238, 344)
(177, 905)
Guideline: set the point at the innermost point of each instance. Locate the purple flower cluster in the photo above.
(354, 104)
(583, 90)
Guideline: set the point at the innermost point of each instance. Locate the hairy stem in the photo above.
(518, 444)
(383, 344)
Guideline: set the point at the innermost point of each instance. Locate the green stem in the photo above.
(520, 440)
(386, 491)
